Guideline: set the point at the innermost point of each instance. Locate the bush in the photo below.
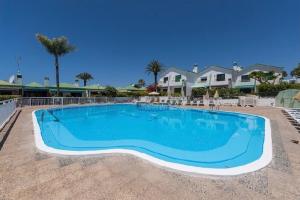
(198, 92)
(269, 90)
(109, 91)
(6, 97)
(225, 93)
(132, 94)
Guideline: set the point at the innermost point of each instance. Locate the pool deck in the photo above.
(27, 173)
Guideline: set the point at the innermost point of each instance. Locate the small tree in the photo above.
(110, 91)
(296, 72)
(151, 88)
(141, 83)
(264, 77)
(85, 77)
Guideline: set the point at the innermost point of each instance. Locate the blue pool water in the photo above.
(186, 136)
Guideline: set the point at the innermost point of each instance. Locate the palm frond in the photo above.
(56, 46)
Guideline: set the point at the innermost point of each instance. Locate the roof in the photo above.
(216, 68)
(261, 67)
(130, 88)
(7, 84)
(94, 87)
(4, 83)
(34, 84)
(67, 85)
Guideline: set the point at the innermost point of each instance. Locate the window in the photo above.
(245, 78)
(177, 78)
(203, 79)
(220, 77)
(166, 79)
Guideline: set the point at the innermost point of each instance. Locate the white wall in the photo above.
(212, 79)
(171, 76)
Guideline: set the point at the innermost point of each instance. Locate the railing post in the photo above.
(62, 100)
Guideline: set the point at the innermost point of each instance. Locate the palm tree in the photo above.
(141, 83)
(154, 67)
(56, 47)
(85, 77)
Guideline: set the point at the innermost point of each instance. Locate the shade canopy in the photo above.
(216, 95)
(206, 95)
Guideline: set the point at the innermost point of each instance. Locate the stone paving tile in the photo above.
(26, 173)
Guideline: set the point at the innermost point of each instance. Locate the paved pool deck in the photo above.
(27, 173)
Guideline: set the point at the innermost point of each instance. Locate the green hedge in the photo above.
(6, 97)
(268, 90)
(225, 93)
(132, 94)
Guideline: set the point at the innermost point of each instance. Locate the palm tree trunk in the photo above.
(155, 81)
(84, 82)
(57, 75)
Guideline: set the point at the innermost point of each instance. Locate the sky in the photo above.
(116, 39)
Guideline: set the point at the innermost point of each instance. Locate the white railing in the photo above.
(7, 109)
(39, 101)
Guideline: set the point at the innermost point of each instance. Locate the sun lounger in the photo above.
(194, 103)
(200, 102)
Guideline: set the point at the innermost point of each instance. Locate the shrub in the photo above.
(269, 90)
(109, 91)
(225, 93)
(6, 97)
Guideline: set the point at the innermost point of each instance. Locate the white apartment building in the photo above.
(175, 80)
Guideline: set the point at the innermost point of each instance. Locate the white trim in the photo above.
(263, 161)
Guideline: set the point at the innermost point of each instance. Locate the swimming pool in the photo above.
(199, 141)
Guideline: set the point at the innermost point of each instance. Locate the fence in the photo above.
(7, 109)
(39, 101)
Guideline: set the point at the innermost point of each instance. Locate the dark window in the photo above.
(221, 77)
(203, 79)
(165, 79)
(245, 78)
(177, 78)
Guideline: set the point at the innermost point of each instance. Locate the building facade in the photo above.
(176, 81)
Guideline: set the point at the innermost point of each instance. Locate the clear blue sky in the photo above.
(117, 38)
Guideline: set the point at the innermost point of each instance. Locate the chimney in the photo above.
(236, 67)
(46, 81)
(195, 68)
(19, 78)
(76, 84)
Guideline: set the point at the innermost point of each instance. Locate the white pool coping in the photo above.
(263, 161)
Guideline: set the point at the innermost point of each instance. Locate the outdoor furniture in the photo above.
(179, 102)
(194, 102)
(211, 103)
(185, 102)
(173, 102)
(247, 101)
(200, 102)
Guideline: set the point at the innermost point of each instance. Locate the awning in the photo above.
(244, 86)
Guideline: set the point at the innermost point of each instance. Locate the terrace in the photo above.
(28, 173)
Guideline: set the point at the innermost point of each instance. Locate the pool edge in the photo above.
(263, 161)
